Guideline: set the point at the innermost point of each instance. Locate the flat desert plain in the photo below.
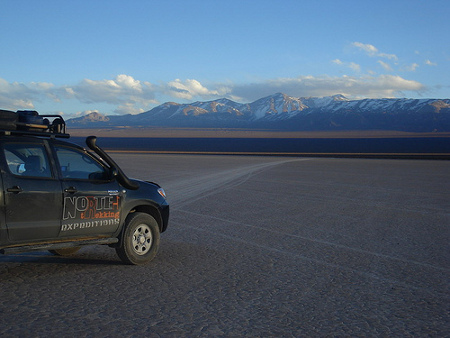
(257, 247)
(242, 133)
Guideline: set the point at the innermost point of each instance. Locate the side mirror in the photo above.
(21, 168)
(124, 181)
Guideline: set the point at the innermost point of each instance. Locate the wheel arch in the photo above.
(144, 208)
(152, 211)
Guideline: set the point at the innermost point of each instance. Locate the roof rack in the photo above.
(29, 122)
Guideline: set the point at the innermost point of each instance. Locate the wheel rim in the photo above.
(142, 239)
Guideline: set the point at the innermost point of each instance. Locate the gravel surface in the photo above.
(257, 246)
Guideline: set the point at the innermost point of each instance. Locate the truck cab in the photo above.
(58, 196)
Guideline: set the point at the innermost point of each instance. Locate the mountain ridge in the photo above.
(283, 112)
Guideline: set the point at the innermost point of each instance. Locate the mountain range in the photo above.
(283, 112)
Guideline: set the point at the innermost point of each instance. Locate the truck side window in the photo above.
(79, 165)
(27, 160)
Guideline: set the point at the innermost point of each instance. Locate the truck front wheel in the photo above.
(141, 239)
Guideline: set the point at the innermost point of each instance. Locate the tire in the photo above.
(140, 240)
(65, 251)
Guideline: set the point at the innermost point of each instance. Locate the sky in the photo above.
(74, 57)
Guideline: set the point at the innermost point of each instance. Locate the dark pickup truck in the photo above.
(58, 196)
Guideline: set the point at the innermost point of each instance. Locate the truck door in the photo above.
(92, 200)
(32, 192)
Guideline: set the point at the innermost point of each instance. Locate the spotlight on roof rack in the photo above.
(29, 122)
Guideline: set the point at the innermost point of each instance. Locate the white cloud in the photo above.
(83, 113)
(355, 66)
(350, 86)
(191, 88)
(122, 89)
(128, 82)
(371, 50)
(388, 56)
(429, 63)
(129, 108)
(14, 96)
(411, 68)
(352, 65)
(129, 95)
(386, 66)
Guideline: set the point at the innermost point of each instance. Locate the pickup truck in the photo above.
(58, 196)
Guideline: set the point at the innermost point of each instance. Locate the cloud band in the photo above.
(128, 95)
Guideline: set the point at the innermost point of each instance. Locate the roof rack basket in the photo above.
(29, 122)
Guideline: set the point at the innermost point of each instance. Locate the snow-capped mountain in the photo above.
(280, 111)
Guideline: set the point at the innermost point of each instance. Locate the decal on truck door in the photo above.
(88, 212)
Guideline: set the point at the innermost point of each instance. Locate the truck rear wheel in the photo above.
(140, 240)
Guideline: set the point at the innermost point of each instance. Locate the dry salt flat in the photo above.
(257, 246)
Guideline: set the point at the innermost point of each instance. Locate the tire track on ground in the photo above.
(188, 190)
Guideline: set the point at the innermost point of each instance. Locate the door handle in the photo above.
(71, 190)
(16, 189)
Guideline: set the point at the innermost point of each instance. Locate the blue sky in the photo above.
(116, 57)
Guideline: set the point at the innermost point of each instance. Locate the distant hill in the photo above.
(282, 112)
